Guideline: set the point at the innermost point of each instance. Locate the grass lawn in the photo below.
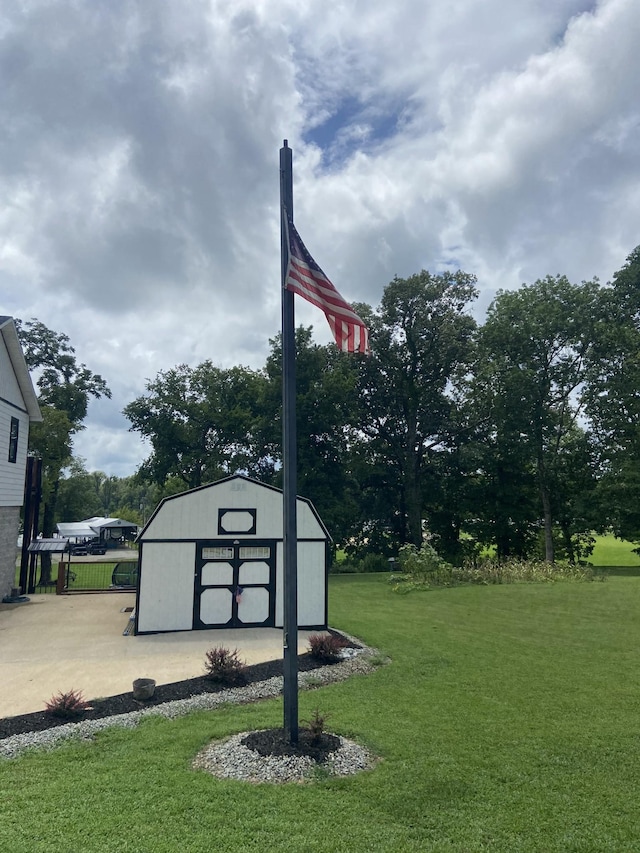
(507, 721)
(609, 551)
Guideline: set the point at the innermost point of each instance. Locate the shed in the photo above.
(212, 557)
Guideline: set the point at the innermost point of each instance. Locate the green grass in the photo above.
(609, 551)
(507, 722)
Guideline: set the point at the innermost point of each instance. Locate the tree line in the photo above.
(519, 433)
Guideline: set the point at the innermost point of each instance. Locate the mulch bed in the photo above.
(274, 742)
(123, 703)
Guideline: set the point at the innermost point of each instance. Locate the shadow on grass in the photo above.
(617, 571)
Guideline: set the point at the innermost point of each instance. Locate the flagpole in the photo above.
(290, 544)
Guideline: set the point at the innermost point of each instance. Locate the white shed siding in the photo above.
(12, 473)
(165, 601)
(212, 557)
(194, 515)
(311, 584)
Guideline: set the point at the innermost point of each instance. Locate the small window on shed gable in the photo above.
(13, 439)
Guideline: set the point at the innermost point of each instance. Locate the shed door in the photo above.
(235, 584)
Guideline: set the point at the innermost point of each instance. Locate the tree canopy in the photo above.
(520, 433)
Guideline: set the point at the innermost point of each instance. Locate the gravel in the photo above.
(233, 759)
(356, 660)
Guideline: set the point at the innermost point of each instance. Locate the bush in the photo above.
(326, 647)
(344, 567)
(424, 569)
(67, 705)
(223, 665)
(421, 568)
(374, 563)
(515, 570)
(352, 565)
(316, 726)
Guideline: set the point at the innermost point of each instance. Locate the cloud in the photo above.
(139, 158)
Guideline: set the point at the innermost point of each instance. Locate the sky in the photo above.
(139, 165)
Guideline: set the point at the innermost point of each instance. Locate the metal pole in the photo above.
(290, 544)
(33, 496)
(27, 526)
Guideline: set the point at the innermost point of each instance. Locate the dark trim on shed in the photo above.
(227, 480)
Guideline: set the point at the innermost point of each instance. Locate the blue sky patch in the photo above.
(353, 126)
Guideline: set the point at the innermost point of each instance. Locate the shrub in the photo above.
(67, 705)
(421, 568)
(316, 725)
(223, 665)
(354, 565)
(374, 563)
(344, 567)
(516, 570)
(326, 647)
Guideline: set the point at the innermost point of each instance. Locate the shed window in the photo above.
(252, 551)
(224, 553)
(13, 439)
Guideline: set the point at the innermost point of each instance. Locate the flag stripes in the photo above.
(305, 278)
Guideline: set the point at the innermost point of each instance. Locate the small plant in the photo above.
(326, 647)
(316, 726)
(223, 665)
(67, 705)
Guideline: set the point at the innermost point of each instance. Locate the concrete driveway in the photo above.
(57, 643)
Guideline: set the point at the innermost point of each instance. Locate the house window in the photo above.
(13, 439)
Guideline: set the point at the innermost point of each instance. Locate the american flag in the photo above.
(305, 278)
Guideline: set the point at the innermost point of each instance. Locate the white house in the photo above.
(212, 558)
(18, 408)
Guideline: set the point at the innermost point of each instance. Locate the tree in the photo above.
(536, 347)
(77, 498)
(200, 422)
(325, 413)
(63, 384)
(613, 401)
(65, 387)
(421, 338)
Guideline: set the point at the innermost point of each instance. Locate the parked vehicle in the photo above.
(82, 549)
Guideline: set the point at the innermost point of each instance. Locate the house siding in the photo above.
(11, 406)
(12, 473)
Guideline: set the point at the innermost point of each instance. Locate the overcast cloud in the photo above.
(139, 164)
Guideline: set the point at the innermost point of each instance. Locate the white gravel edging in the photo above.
(358, 663)
(231, 759)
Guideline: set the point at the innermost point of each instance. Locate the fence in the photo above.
(106, 576)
